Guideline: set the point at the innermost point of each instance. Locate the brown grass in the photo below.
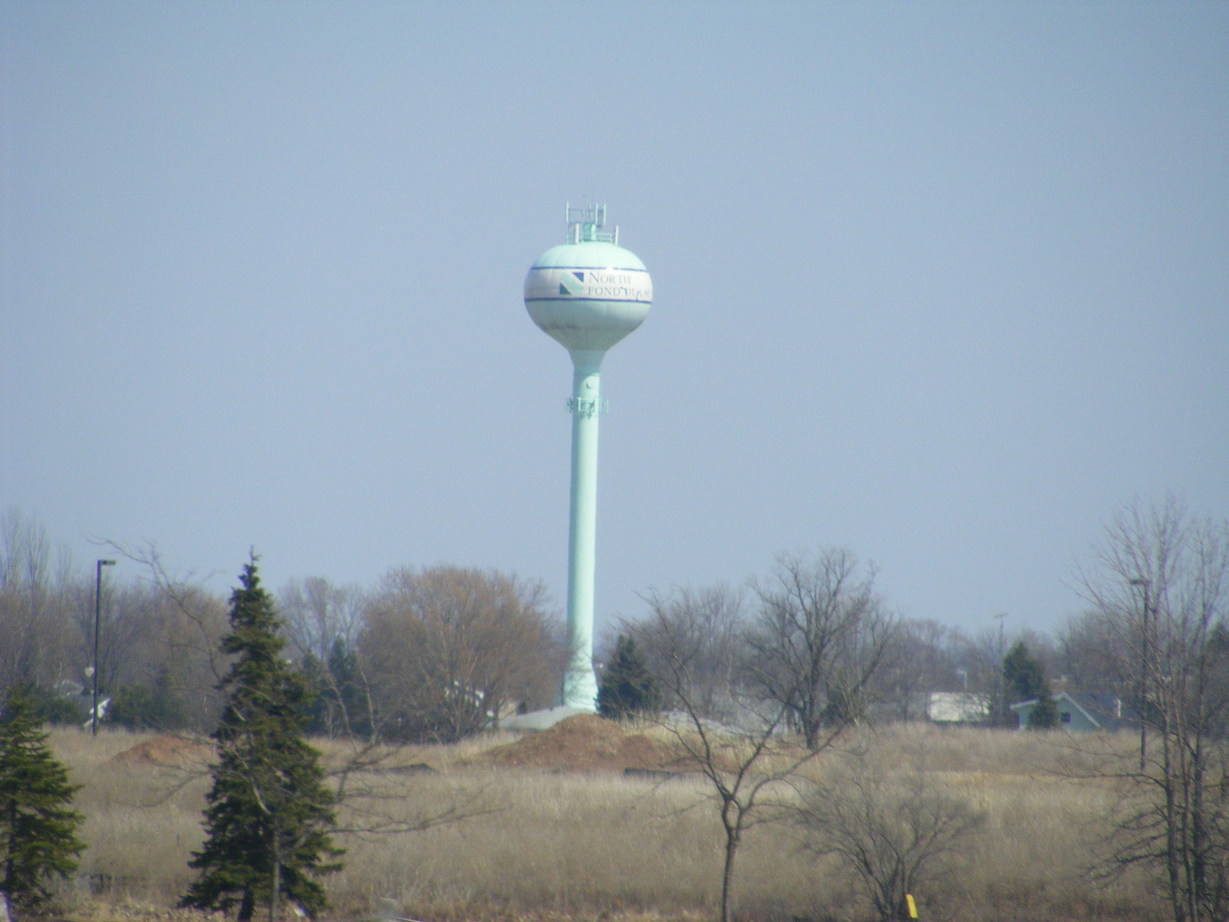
(555, 830)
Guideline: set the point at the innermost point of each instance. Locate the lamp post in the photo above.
(97, 622)
(1145, 585)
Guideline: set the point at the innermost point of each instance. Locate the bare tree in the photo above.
(37, 643)
(748, 763)
(1093, 657)
(820, 635)
(888, 820)
(130, 620)
(704, 626)
(164, 637)
(449, 649)
(982, 655)
(318, 613)
(1161, 585)
(920, 659)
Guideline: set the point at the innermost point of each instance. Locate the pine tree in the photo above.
(1026, 679)
(268, 814)
(340, 706)
(1023, 673)
(628, 687)
(1045, 715)
(37, 823)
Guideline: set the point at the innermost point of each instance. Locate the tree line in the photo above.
(429, 655)
(444, 652)
(757, 679)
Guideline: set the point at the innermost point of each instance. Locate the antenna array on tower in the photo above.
(586, 223)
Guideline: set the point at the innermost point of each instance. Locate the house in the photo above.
(1083, 712)
(953, 708)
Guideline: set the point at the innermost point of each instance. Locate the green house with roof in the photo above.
(1083, 712)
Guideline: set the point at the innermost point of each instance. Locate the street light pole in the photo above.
(1146, 585)
(97, 622)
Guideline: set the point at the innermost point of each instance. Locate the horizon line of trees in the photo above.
(437, 653)
(445, 652)
(784, 666)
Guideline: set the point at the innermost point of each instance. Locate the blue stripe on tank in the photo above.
(575, 298)
(599, 268)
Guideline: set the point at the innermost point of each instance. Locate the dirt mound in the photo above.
(585, 743)
(169, 751)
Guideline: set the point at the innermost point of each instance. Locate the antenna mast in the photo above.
(586, 224)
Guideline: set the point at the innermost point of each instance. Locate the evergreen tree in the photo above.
(1023, 673)
(318, 709)
(1026, 682)
(48, 707)
(37, 823)
(268, 814)
(138, 706)
(1045, 715)
(628, 687)
(340, 706)
(349, 690)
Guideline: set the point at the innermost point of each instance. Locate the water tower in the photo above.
(587, 294)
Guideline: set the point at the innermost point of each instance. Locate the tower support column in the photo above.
(580, 681)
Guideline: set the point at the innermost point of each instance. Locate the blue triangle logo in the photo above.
(580, 276)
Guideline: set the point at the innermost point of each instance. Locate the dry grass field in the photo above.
(550, 828)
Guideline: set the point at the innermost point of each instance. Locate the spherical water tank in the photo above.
(588, 295)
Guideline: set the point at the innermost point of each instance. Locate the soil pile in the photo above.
(585, 743)
(167, 751)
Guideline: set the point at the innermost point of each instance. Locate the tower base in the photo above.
(580, 688)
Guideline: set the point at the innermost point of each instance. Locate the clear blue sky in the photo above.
(945, 283)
